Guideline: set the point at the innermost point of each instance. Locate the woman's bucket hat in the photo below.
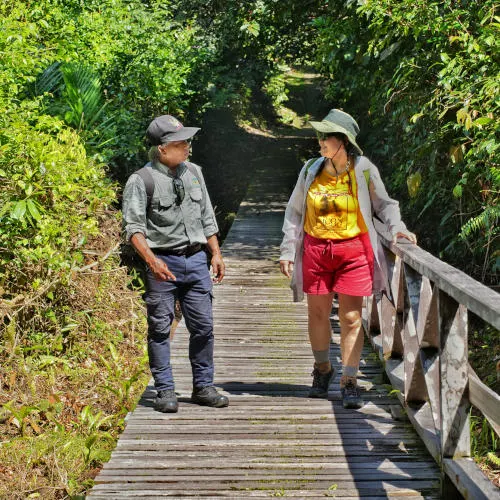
(337, 121)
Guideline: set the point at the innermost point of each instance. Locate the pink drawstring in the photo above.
(329, 247)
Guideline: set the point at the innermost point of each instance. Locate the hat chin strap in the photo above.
(335, 154)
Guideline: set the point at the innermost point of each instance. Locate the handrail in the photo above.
(420, 333)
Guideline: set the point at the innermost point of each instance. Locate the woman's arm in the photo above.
(293, 218)
(386, 208)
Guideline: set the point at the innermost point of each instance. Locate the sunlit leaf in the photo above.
(457, 191)
(413, 182)
(32, 209)
(19, 210)
(456, 153)
(484, 120)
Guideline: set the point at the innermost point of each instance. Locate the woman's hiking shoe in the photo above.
(321, 383)
(351, 397)
(208, 396)
(166, 401)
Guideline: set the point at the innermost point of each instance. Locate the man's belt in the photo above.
(187, 251)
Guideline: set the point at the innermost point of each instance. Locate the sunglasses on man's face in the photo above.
(178, 190)
(178, 144)
(181, 144)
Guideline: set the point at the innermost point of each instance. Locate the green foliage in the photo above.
(484, 439)
(60, 455)
(50, 192)
(248, 42)
(79, 82)
(110, 66)
(75, 95)
(423, 80)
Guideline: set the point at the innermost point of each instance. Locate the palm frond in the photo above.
(50, 80)
(83, 94)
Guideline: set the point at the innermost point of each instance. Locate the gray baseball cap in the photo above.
(167, 128)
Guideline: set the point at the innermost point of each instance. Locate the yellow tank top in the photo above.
(332, 208)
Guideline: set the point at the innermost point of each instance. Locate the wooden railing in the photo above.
(420, 335)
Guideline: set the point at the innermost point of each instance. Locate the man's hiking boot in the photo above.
(208, 396)
(166, 401)
(351, 397)
(321, 383)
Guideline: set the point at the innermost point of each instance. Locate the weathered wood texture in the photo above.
(272, 440)
(421, 334)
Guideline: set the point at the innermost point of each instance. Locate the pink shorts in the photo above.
(340, 266)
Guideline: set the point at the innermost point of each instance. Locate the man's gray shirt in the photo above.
(169, 225)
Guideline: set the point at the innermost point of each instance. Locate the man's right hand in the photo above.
(286, 267)
(160, 270)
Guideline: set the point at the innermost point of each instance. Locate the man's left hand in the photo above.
(218, 268)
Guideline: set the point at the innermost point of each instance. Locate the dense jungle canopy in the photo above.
(80, 81)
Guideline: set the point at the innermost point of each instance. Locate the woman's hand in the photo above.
(411, 237)
(286, 267)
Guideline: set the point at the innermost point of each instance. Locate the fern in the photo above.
(493, 459)
(485, 220)
(495, 175)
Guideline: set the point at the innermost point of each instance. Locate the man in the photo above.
(169, 230)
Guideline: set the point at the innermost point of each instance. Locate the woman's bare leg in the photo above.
(351, 345)
(320, 331)
(351, 333)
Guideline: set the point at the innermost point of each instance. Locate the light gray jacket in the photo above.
(372, 198)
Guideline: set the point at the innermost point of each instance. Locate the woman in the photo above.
(330, 246)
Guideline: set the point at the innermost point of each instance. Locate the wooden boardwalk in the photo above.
(272, 440)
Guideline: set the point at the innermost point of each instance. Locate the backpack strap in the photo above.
(308, 166)
(149, 183)
(366, 173)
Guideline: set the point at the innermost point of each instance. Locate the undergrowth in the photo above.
(64, 395)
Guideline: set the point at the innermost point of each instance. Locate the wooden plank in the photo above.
(317, 495)
(472, 294)
(415, 389)
(391, 327)
(485, 399)
(211, 483)
(420, 417)
(455, 427)
(180, 463)
(360, 487)
(369, 440)
(469, 480)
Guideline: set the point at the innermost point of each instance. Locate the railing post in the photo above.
(455, 426)
(428, 363)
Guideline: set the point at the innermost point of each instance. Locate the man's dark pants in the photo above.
(193, 288)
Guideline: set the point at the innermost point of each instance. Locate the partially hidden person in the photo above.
(330, 246)
(172, 232)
